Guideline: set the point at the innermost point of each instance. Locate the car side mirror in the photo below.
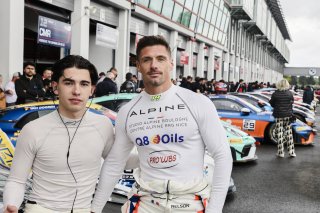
(261, 104)
(245, 111)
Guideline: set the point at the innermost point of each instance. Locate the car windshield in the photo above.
(249, 105)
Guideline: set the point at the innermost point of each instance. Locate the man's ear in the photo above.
(138, 65)
(93, 89)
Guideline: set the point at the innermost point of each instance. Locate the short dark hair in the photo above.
(25, 64)
(112, 68)
(76, 61)
(101, 74)
(129, 76)
(147, 41)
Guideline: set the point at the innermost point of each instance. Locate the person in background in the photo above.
(197, 85)
(114, 71)
(102, 75)
(210, 86)
(11, 95)
(308, 95)
(281, 101)
(107, 86)
(28, 87)
(172, 128)
(2, 94)
(135, 81)
(128, 86)
(47, 83)
(47, 73)
(240, 86)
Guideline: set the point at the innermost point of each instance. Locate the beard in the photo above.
(29, 75)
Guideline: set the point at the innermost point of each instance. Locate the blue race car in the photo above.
(257, 123)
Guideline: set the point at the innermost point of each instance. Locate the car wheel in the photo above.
(269, 133)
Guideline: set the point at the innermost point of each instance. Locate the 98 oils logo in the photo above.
(157, 139)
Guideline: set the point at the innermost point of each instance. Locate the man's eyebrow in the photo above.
(85, 81)
(71, 80)
(68, 79)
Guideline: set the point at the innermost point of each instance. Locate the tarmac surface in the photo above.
(272, 184)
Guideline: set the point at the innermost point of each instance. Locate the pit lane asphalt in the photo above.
(271, 184)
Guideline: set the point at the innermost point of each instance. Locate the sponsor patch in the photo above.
(163, 159)
(155, 97)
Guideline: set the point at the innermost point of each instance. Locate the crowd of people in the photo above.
(30, 86)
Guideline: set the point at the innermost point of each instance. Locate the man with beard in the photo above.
(171, 127)
(28, 87)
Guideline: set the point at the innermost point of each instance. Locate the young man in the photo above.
(29, 88)
(171, 128)
(63, 149)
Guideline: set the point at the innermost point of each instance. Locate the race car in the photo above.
(257, 123)
(300, 112)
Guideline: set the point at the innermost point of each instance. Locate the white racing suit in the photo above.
(167, 196)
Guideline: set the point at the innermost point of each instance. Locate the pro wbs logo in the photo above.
(157, 139)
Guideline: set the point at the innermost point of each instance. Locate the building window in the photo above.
(156, 5)
(177, 13)
(223, 21)
(215, 35)
(200, 26)
(144, 2)
(196, 6)
(186, 17)
(226, 25)
(220, 37)
(193, 22)
(204, 8)
(209, 12)
(189, 4)
(219, 19)
(221, 5)
(205, 29)
(167, 8)
(211, 30)
(214, 16)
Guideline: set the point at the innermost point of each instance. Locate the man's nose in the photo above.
(76, 89)
(154, 63)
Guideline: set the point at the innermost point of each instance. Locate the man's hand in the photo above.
(11, 209)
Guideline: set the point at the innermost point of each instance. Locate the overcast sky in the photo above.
(303, 21)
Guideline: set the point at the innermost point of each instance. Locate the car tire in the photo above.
(269, 135)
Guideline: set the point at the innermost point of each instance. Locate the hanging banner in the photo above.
(54, 33)
(216, 64)
(138, 37)
(184, 58)
(107, 36)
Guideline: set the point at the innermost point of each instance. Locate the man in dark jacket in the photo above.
(107, 86)
(29, 88)
(308, 95)
(128, 86)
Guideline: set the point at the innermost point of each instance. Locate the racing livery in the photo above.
(257, 123)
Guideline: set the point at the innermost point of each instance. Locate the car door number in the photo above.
(249, 125)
